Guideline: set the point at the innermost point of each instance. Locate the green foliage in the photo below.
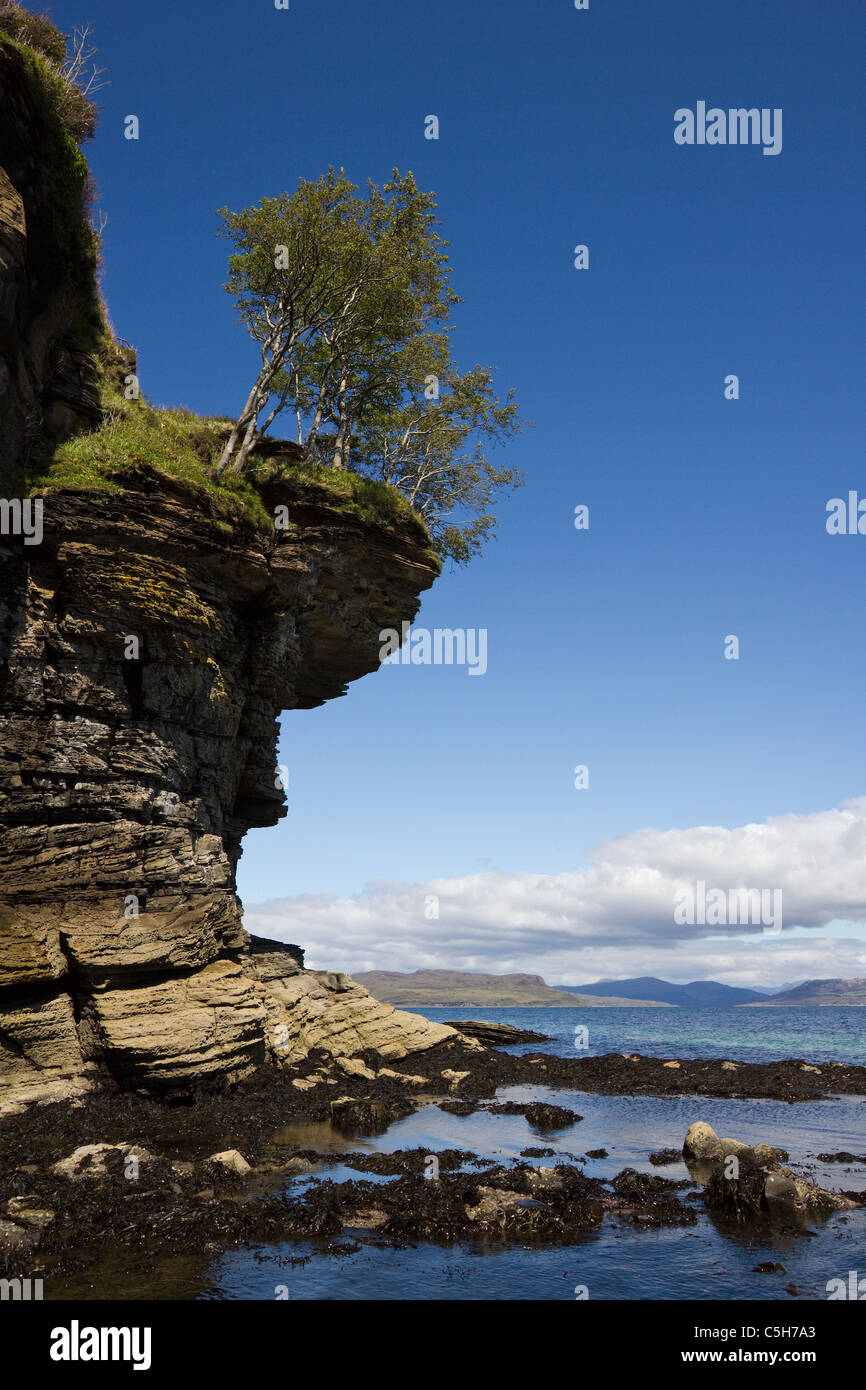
(432, 440)
(324, 279)
(174, 442)
(349, 298)
(70, 64)
(184, 446)
(34, 31)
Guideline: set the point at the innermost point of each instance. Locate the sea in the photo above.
(712, 1261)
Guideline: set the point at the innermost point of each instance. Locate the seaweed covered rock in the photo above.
(750, 1182)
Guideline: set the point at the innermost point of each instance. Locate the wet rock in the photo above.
(99, 1160)
(353, 1066)
(15, 1238)
(597, 1153)
(233, 1161)
(765, 1153)
(541, 1115)
(664, 1156)
(404, 1078)
(361, 1116)
(26, 1211)
(704, 1145)
(546, 1179)
(756, 1185)
(632, 1074)
(415, 1161)
(496, 1034)
(494, 1205)
(297, 1165)
(651, 1200)
(458, 1107)
(369, 1218)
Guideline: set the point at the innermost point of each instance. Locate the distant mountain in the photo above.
(430, 988)
(700, 994)
(851, 993)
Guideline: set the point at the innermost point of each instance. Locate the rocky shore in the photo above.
(152, 1053)
(210, 1170)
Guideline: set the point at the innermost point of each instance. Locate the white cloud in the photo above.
(615, 917)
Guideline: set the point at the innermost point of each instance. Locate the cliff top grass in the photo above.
(60, 76)
(185, 446)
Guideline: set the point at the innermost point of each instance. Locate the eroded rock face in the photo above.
(147, 646)
(146, 650)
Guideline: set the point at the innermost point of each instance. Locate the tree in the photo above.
(349, 298)
(323, 279)
(432, 445)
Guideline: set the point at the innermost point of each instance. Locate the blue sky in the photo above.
(707, 516)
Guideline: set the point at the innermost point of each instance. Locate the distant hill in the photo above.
(851, 993)
(430, 988)
(700, 994)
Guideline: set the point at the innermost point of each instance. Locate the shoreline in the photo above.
(182, 1201)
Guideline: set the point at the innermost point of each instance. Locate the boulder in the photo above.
(95, 1161)
(757, 1186)
(233, 1161)
(361, 1116)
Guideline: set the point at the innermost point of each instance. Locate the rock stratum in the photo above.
(126, 785)
(147, 646)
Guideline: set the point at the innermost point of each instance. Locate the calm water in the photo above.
(744, 1035)
(708, 1261)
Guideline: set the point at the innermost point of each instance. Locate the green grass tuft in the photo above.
(186, 447)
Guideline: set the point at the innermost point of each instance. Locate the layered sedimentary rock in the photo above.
(148, 642)
(146, 649)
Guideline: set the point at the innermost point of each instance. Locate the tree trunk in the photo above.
(342, 441)
(317, 420)
(249, 412)
(249, 440)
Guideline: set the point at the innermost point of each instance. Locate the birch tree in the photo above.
(348, 297)
(435, 446)
(325, 282)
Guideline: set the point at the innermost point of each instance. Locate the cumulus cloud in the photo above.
(615, 917)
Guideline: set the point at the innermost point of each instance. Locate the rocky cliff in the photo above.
(145, 652)
(147, 646)
(54, 343)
